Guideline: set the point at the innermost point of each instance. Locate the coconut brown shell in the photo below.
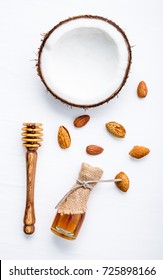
(46, 36)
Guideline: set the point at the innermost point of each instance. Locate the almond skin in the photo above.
(116, 129)
(94, 150)
(124, 184)
(139, 152)
(81, 121)
(64, 139)
(142, 89)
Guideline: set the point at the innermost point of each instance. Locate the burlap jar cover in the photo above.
(75, 201)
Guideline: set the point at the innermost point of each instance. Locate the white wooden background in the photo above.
(117, 225)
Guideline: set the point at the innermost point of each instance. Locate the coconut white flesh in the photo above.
(84, 61)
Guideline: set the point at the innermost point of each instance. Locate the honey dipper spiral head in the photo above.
(32, 135)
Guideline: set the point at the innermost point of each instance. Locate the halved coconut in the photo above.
(84, 61)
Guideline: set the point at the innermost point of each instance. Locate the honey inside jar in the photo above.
(67, 225)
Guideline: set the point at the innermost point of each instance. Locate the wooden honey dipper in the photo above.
(31, 140)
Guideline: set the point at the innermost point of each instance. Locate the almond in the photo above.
(94, 150)
(116, 129)
(142, 89)
(64, 138)
(81, 120)
(139, 152)
(124, 184)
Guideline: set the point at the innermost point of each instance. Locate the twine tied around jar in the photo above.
(75, 200)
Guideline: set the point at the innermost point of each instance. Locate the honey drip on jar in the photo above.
(67, 225)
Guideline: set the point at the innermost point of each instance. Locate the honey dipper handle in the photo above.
(29, 216)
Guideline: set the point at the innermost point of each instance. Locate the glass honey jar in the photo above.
(67, 225)
(72, 208)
